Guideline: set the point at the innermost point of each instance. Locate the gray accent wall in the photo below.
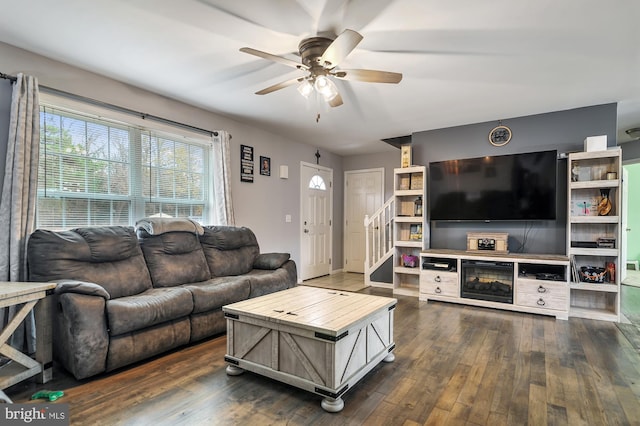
(564, 131)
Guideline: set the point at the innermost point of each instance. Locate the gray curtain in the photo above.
(222, 179)
(18, 203)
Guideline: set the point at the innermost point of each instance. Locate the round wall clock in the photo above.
(500, 135)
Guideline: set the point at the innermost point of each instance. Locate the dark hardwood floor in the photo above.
(454, 365)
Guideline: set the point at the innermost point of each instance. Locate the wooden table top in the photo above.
(13, 289)
(331, 311)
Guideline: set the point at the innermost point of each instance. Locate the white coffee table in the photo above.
(323, 341)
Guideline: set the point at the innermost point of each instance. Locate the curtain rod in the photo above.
(112, 107)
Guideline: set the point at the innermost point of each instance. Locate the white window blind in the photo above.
(94, 172)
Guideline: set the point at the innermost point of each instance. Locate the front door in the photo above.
(316, 195)
(363, 196)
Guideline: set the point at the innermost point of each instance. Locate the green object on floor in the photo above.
(47, 394)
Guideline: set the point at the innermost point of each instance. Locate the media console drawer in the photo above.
(439, 283)
(542, 294)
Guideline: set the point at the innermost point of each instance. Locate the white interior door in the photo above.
(316, 195)
(364, 192)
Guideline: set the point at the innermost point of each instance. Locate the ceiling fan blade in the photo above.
(340, 48)
(275, 58)
(279, 86)
(336, 101)
(370, 76)
(288, 18)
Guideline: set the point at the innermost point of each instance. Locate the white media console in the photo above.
(531, 283)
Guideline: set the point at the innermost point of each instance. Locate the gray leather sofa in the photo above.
(124, 296)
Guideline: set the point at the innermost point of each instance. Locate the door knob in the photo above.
(306, 231)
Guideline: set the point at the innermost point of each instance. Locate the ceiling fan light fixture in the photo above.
(633, 132)
(326, 88)
(305, 88)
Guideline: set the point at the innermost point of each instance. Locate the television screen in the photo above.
(504, 187)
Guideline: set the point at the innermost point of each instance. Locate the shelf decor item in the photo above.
(405, 156)
(415, 232)
(417, 208)
(409, 261)
(500, 135)
(604, 206)
(592, 274)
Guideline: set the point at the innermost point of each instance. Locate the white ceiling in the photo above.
(463, 61)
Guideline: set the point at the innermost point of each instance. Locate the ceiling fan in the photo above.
(320, 57)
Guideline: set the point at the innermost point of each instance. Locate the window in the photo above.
(317, 182)
(99, 172)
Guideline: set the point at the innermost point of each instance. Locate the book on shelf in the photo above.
(575, 276)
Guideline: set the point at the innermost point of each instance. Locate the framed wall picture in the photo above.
(265, 166)
(246, 163)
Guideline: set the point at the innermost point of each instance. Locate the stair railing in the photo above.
(378, 237)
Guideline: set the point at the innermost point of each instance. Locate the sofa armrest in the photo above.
(81, 334)
(270, 261)
(81, 287)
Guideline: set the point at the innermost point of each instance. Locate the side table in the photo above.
(34, 297)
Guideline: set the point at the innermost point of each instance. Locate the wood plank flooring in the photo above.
(455, 365)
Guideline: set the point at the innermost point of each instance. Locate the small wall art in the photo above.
(265, 166)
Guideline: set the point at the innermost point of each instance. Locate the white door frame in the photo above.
(303, 188)
(622, 267)
(346, 205)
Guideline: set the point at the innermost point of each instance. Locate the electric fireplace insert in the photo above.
(487, 280)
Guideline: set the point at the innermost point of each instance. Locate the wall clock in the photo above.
(500, 135)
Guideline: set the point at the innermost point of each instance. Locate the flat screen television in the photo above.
(504, 187)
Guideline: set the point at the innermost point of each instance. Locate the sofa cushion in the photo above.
(207, 324)
(174, 258)
(152, 307)
(264, 281)
(108, 256)
(138, 345)
(229, 250)
(217, 292)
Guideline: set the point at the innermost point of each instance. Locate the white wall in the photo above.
(261, 205)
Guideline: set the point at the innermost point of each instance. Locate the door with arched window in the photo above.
(316, 198)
